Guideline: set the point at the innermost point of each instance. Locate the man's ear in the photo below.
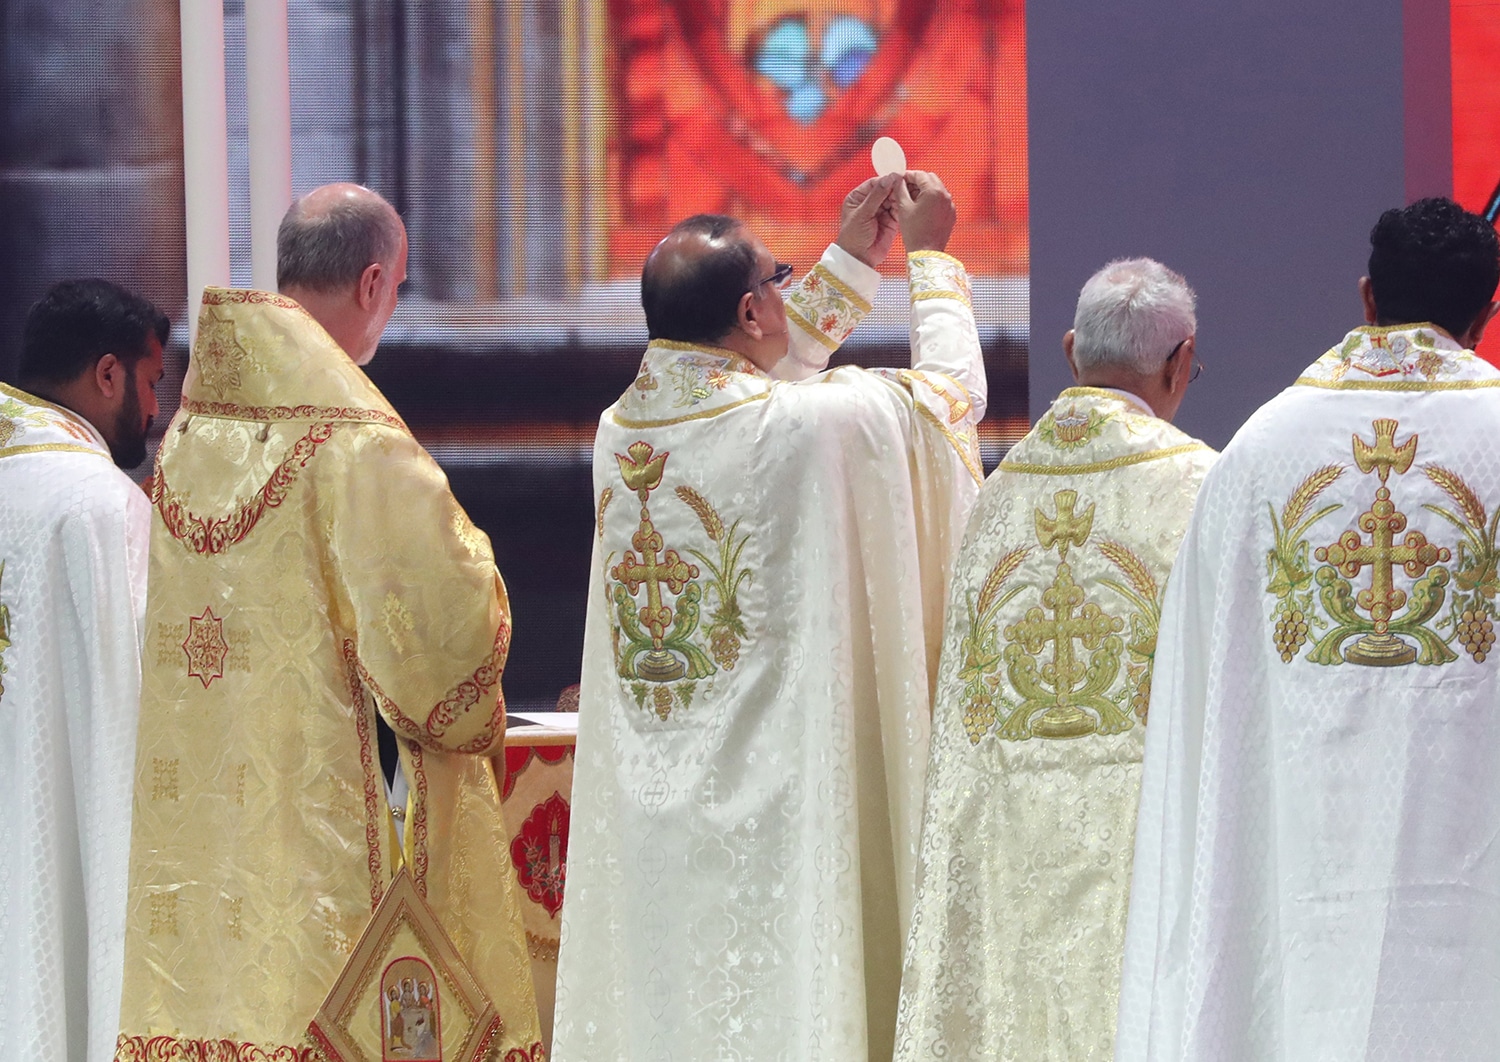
(1476, 330)
(1179, 366)
(748, 318)
(1367, 296)
(1068, 353)
(109, 375)
(369, 285)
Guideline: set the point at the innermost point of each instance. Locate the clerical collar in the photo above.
(1130, 397)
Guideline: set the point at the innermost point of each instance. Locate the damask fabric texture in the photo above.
(1037, 735)
(763, 626)
(1315, 872)
(309, 568)
(73, 534)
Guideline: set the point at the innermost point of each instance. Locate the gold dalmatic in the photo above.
(661, 659)
(1065, 697)
(1391, 625)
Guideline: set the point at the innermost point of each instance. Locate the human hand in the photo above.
(867, 222)
(924, 209)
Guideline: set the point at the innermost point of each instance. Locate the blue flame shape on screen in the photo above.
(785, 57)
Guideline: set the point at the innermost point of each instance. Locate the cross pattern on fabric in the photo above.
(662, 658)
(1391, 625)
(1064, 688)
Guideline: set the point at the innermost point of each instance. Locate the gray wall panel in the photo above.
(1250, 146)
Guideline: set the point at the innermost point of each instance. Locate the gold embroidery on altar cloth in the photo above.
(1391, 625)
(661, 659)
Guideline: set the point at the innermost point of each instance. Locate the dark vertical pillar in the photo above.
(90, 151)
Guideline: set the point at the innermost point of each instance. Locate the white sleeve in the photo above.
(832, 298)
(944, 338)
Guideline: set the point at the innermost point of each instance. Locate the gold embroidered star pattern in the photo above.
(205, 647)
(220, 355)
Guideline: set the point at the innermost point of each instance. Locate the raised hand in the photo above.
(867, 223)
(924, 209)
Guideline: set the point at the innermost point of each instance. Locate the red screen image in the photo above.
(1475, 32)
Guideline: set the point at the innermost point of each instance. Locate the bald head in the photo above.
(693, 280)
(330, 236)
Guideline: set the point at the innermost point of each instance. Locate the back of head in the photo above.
(76, 323)
(692, 282)
(1433, 261)
(329, 237)
(1131, 314)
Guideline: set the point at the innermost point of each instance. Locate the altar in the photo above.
(537, 794)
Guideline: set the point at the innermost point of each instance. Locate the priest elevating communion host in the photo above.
(767, 589)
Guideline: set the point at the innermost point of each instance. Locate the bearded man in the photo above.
(73, 537)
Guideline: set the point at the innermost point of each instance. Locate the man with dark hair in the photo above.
(73, 537)
(1316, 873)
(312, 580)
(762, 632)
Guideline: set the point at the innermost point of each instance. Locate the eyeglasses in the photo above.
(780, 277)
(1197, 362)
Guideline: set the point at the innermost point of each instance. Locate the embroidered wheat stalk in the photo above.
(1315, 484)
(605, 497)
(1454, 486)
(1004, 568)
(1134, 568)
(706, 514)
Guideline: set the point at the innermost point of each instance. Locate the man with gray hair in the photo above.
(313, 583)
(1042, 692)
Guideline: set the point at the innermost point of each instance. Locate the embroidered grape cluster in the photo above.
(1291, 633)
(725, 647)
(1476, 633)
(979, 716)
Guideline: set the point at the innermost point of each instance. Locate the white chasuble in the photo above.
(763, 629)
(73, 536)
(310, 572)
(1316, 869)
(1037, 736)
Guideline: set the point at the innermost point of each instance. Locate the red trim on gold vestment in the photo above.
(215, 534)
